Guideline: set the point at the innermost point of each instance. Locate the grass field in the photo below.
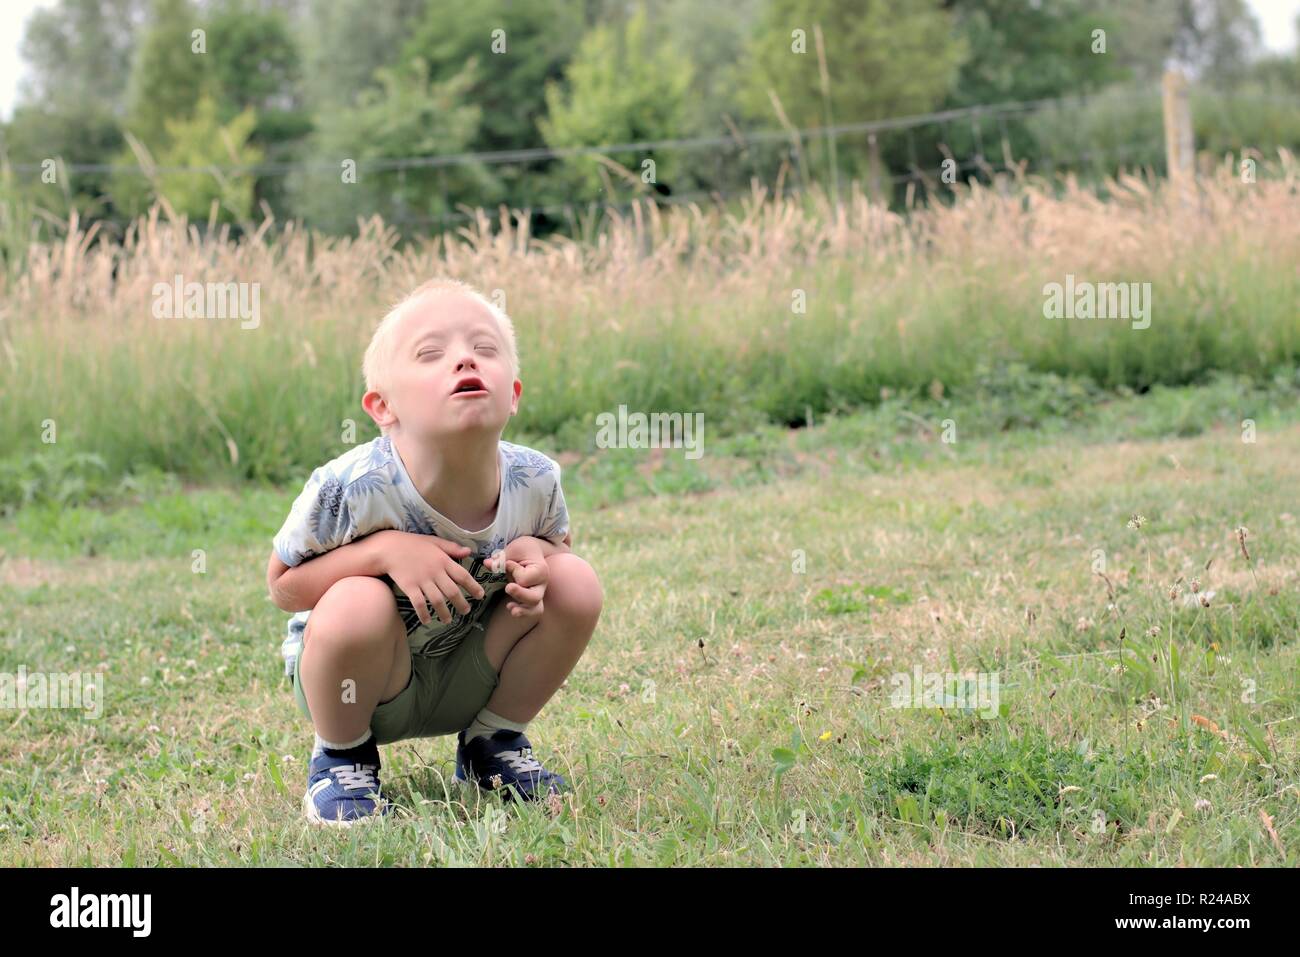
(733, 709)
(762, 313)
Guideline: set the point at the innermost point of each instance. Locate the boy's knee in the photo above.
(573, 588)
(354, 610)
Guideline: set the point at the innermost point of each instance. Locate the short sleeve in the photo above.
(553, 523)
(319, 520)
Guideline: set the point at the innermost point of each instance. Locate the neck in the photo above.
(459, 477)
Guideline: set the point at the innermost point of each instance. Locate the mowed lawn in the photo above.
(734, 707)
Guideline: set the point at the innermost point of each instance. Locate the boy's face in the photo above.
(450, 373)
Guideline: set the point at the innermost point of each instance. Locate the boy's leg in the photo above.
(354, 656)
(354, 634)
(533, 656)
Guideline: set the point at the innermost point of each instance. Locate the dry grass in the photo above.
(690, 309)
(706, 252)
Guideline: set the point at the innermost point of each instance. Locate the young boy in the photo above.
(435, 561)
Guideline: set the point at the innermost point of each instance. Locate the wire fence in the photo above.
(1092, 135)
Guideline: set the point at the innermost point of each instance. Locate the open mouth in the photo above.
(470, 386)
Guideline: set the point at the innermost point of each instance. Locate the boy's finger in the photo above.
(433, 593)
(419, 603)
(451, 591)
(530, 596)
(528, 575)
(452, 548)
(458, 574)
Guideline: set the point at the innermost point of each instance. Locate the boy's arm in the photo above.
(300, 587)
(385, 552)
(551, 524)
(526, 545)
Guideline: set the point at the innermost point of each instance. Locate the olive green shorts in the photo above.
(443, 695)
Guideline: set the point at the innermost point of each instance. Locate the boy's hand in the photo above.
(426, 569)
(525, 563)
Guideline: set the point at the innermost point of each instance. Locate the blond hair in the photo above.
(379, 354)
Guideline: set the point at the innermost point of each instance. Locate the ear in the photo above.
(377, 408)
(514, 399)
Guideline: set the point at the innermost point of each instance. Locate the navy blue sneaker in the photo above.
(503, 761)
(343, 787)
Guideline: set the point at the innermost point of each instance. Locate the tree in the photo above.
(713, 39)
(624, 85)
(346, 41)
(68, 135)
(519, 48)
(78, 59)
(255, 61)
(1027, 50)
(78, 54)
(202, 140)
(1210, 39)
(884, 58)
(256, 65)
(407, 115)
(168, 75)
(1216, 39)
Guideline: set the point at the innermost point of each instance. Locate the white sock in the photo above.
(486, 722)
(322, 744)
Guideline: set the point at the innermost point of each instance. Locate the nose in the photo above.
(467, 360)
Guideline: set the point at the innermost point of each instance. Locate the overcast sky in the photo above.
(1277, 17)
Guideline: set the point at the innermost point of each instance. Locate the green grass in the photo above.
(757, 318)
(734, 706)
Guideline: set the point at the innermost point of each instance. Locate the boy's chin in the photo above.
(471, 426)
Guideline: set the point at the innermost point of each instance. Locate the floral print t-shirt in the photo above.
(367, 489)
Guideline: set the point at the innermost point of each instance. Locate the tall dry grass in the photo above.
(690, 309)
